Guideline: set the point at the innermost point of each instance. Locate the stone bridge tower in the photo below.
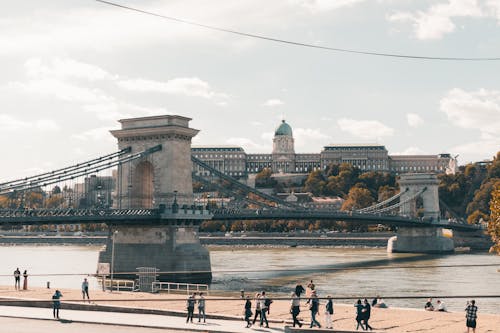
(420, 239)
(411, 184)
(168, 242)
(159, 177)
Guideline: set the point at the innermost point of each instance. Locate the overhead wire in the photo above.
(295, 43)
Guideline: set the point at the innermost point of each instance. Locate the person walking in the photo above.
(85, 289)
(257, 307)
(201, 308)
(190, 307)
(329, 312)
(299, 289)
(25, 280)
(56, 304)
(471, 316)
(310, 287)
(248, 311)
(314, 307)
(367, 310)
(359, 314)
(17, 279)
(295, 309)
(263, 309)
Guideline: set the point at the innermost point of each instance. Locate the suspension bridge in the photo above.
(153, 218)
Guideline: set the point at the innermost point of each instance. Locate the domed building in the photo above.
(235, 162)
(283, 149)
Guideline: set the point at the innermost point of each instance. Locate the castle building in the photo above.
(233, 161)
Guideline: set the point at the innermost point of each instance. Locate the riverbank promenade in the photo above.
(223, 314)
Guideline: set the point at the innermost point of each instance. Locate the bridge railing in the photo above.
(179, 287)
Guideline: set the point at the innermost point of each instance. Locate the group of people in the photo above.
(440, 306)
(262, 309)
(17, 279)
(470, 312)
(190, 304)
(363, 313)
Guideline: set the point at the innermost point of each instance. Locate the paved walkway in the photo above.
(135, 320)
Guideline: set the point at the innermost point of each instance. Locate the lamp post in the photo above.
(113, 257)
(175, 206)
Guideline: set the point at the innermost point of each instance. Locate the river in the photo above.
(335, 271)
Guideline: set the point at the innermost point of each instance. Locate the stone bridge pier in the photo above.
(161, 180)
(420, 239)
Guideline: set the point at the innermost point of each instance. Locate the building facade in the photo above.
(234, 161)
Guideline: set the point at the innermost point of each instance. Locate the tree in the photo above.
(264, 178)
(357, 198)
(494, 223)
(315, 182)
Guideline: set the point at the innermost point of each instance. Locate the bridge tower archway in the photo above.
(143, 185)
(426, 184)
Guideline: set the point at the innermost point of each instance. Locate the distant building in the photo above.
(233, 161)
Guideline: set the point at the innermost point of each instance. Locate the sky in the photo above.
(71, 69)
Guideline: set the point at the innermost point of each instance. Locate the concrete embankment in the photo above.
(296, 241)
(355, 239)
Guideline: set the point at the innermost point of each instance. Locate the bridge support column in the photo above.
(173, 248)
(420, 240)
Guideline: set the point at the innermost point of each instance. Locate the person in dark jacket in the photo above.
(314, 307)
(248, 311)
(329, 312)
(56, 303)
(359, 314)
(367, 309)
(190, 307)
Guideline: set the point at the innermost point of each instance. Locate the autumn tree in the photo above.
(494, 223)
(358, 198)
(264, 178)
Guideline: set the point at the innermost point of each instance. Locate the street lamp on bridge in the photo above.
(113, 257)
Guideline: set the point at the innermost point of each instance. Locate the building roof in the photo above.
(283, 129)
(216, 148)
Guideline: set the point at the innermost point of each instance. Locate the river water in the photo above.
(340, 272)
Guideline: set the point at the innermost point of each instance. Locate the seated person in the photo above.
(380, 303)
(441, 306)
(428, 306)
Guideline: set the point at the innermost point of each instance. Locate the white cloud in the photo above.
(188, 86)
(273, 102)
(267, 136)
(308, 136)
(10, 123)
(365, 129)
(100, 134)
(414, 120)
(64, 68)
(478, 150)
(479, 110)
(53, 87)
(114, 110)
(412, 151)
(437, 20)
(248, 144)
(100, 27)
(326, 5)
